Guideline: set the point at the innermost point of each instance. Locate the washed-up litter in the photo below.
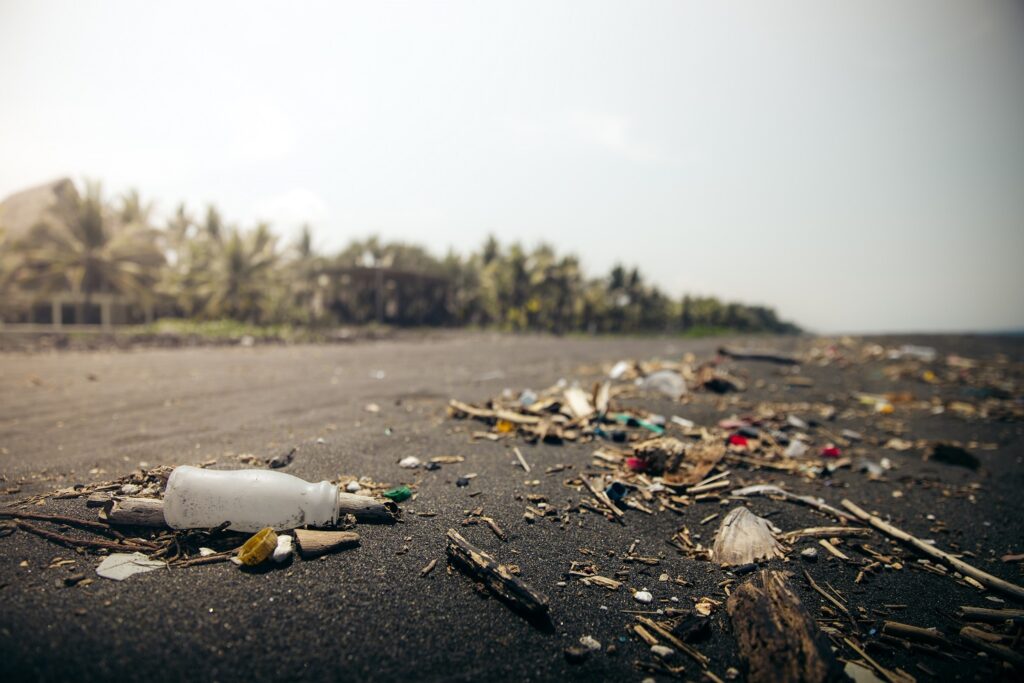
(120, 566)
(258, 548)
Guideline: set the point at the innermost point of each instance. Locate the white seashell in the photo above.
(743, 538)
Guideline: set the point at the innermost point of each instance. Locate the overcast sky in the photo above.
(858, 165)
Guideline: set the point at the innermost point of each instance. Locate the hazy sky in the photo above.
(859, 165)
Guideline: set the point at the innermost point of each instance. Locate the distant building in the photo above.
(20, 213)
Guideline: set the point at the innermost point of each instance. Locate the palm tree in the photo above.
(89, 249)
(241, 280)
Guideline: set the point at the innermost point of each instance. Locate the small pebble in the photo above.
(590, 643)
(577, 654)
(410, 462)
(353, 486)
(643, 596)
(809, 554)
(462, 481)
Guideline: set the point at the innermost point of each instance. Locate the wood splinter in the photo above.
(496, 577)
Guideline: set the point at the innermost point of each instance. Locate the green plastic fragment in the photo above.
(398, 494)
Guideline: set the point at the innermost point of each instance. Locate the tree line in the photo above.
(201, 267)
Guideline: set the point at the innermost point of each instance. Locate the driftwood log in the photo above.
(757, 354)
(924, 548)
(134, 512)
(314, 543)
(779, 641)
(496, 577)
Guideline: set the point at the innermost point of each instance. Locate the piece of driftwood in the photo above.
(825, 532)
(770, 490)
(983, 639)
(779, 640)
(458, 408)
(496, 577)
(366, 509)
(992, 615)
(743, 538)
(314, 542)
(756, 354)
(134, 512)
(930, 635)
(984, 578)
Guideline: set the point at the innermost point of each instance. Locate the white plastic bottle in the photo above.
(250, 499)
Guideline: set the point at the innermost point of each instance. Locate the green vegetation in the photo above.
(222, 278)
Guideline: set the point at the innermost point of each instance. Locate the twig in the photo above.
(956, 563)
(602, 497)
(891, 676)
(816, 503)
(824, 531)
(522, 460)
(835, 601)
(61, 519)
(992, 615)
(67, 540)
(690, 651)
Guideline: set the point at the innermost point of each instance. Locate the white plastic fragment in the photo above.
(619, 369)
(285, 548)
(795, 449)
(410, 462)
(683, 422)
(662, 651)
(206, 552)
(590, 643)
(643, 596)
(120, 566)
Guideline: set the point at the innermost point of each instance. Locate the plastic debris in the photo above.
(665, 382)
(259, 547)
(410, 462)
(120, 566)
(398, 494)
(285, 548)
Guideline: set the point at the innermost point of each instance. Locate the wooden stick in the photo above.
(689, 650)
(67, 540)
(828, 596)
(522, 460)
(496, 577)
(824, 531)
(956, 563)
(992, 615)
(58, 519)
(601, 496)
(929, 635)
(816, 503)
(756, 354)
(978, 638)
(891, 676)
(134, 512)
(778, 638)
